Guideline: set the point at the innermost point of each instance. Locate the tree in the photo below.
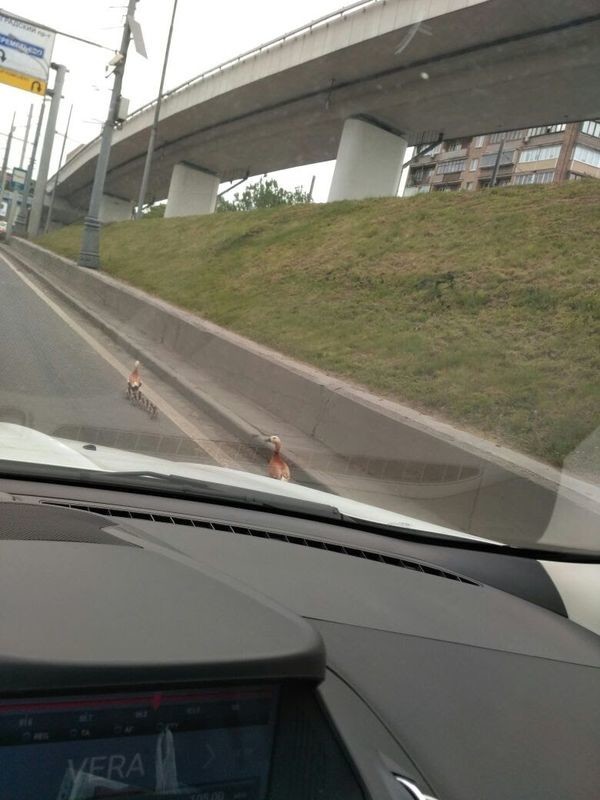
(267, 193)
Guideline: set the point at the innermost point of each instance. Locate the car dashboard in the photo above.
(160, 647)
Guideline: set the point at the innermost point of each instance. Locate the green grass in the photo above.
(482, 308)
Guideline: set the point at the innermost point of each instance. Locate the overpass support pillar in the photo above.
(114, 209)
(369, 162)
(192, 191)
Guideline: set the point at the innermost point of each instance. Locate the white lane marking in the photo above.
(192, 431)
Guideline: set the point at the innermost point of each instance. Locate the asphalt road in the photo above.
(55, 381)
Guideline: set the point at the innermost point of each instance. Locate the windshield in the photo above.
(345, 249)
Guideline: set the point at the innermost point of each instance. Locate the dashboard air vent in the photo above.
(319, 544)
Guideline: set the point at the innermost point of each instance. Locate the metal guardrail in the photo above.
(232, 62)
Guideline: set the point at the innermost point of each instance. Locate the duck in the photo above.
(134, 379)
(278, 469)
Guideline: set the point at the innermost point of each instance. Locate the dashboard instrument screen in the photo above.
(208, 744)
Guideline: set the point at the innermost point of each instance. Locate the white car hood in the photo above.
(578, 585)
(19, 443)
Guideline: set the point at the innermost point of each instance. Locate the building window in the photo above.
(452, 146)
(489, 160)
(478, 141)
(427, 153)
(456, 165)
(421, 174)
(470, 186)
(545, 129)
(591, 127)
(474, 164)
(547, 176)
(540, 153)
(508, 136)
(587, 156)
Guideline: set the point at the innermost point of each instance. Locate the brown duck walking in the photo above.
(134, 381)
(278, 469)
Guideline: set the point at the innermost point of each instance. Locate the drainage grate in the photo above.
(317, 544)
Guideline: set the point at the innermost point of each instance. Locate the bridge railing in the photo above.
(232, 62)
(270, 45)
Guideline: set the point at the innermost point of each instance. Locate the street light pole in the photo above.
(39, 193)
(497, 164)
(90, 241)
(25, 140)
(60, 163)
(6, 157)
(154, 129)
(20, 220)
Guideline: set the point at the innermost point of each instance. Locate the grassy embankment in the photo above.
(481, 308)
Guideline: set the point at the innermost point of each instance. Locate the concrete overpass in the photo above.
(359, 85)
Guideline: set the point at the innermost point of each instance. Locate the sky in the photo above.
(205, 35)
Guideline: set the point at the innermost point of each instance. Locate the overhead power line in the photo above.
(57, 32)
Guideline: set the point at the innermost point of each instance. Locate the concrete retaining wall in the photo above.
(350, 422)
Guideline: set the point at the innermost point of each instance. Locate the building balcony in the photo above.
(504, 167)
(451, 154)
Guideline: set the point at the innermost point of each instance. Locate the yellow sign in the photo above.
(25, 54)
(34, 85)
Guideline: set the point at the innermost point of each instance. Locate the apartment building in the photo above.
(548, 154)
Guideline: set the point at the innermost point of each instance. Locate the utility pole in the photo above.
(39, 194)
(27, 127)
(90, 241)
(497, 164)
(6, 157)
(154, 129)
(60, 163)
(21, 220)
